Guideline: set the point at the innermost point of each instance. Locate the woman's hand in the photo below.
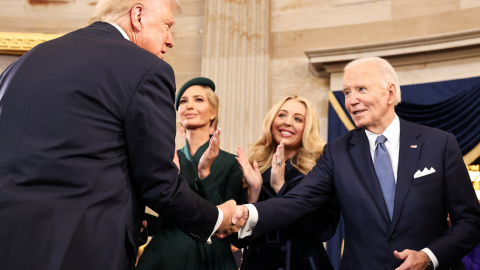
(209, 156)
(277, 178)
(252, 175)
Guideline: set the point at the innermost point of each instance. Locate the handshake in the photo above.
(234, 218)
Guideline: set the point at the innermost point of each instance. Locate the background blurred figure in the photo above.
(87, 132)
(217, 179)
(288, 149)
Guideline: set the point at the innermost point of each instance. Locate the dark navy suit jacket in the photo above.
(87, 128)
(421, 204)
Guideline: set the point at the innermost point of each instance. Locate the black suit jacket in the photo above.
(87, 129)
(421, 204)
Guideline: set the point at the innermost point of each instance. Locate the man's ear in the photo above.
(136, 16)
(392, 93)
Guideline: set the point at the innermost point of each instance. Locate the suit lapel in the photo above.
(188, 167)
(410, 148)
(362, 160)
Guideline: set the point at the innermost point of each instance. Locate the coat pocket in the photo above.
(424, 179)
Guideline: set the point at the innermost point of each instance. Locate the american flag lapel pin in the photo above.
(413, 146)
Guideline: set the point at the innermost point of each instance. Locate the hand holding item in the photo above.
(209, 156)
(252, 175)
(277, 178)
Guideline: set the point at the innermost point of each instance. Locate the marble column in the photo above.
(236, 57)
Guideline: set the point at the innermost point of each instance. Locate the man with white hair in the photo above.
(396, 183)
(87, 132)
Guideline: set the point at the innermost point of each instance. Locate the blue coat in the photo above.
(421, 204)
(87, 138)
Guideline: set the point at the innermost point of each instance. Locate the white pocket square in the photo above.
(424, 172)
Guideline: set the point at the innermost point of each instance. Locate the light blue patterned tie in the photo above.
(383, 168)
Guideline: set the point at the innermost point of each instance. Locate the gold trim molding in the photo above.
(472, 155)
(329, 62)
(20, 43)
(340, 112)
(467, 159)
(428, 49)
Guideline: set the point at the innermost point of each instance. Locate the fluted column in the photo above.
(235, 56)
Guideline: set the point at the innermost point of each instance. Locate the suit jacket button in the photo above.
(391, 241)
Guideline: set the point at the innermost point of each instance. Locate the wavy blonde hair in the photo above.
(112, 11)
(310, 149)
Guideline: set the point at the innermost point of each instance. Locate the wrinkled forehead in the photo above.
(361, 73)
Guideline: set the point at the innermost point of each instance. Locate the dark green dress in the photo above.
(170, 248)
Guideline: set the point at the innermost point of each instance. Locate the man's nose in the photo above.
(169, 40)
(352, 98)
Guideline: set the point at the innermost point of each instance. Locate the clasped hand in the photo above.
(234, 217)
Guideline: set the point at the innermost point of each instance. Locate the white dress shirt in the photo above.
(124, 34)
(392, 133)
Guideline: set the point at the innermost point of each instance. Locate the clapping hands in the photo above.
(277, 178)
(252, 175)
(209, 156)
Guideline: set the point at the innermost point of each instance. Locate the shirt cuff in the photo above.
(252, 221)
(217, 225)
(432, 257)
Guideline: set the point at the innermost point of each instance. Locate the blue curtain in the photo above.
(453, 106)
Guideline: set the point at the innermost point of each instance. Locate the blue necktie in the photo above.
(383, 168)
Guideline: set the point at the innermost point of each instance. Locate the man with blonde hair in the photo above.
(396, 183)
(87, 131)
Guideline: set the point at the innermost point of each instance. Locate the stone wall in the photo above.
(294, 26)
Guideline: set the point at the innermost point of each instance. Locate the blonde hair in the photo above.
(310, 149)
(112, 11)
(388, 72)
(214, 104)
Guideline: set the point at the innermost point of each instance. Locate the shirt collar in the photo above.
(124, 34)
(392, 133)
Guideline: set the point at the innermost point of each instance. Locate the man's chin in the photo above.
(359, 124)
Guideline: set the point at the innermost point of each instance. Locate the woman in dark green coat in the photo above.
(212, 173)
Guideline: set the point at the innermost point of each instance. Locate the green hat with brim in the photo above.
(195, 81)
